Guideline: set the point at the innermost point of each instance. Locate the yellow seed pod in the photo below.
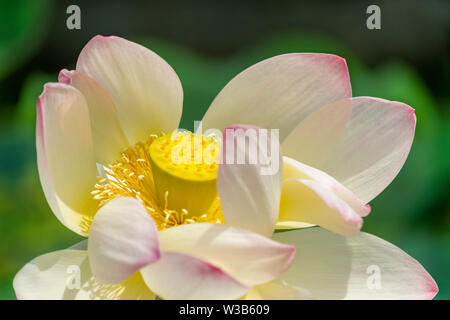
(184, 167)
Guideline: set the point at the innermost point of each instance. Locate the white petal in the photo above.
(123, 238)
(107, 133)
(277, 291)
(362, 142)
(65, 155)
(66, 275)
(179, 276)
(308, 201)
(280, 92)
(250, 193)
(295, 169)
(145, 89)
(248, 257)
(362, 266)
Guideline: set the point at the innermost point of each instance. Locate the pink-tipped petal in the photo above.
(308, 201)
(123, 238)
(280, 92)
(250, 190)
(295, 169)
(146, 91)
(107, 133)
(248, 257)
(362, 142)
(362, 266)
(179, 276)
(66, 275)
(65, 155)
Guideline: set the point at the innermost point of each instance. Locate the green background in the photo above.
(207, 44)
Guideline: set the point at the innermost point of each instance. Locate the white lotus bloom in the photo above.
(199, 230)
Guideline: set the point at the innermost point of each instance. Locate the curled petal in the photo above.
(308, 201)
(65, 155)
(107, 133)
(123, 238)
(146, 91)
(296, 169)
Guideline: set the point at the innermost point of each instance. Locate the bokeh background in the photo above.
(208, 43)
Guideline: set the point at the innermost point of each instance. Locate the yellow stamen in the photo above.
(173, 193)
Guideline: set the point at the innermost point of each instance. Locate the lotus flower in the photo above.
(206, 231)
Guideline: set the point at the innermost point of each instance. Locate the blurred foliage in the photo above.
(22, 28)
(413, 212)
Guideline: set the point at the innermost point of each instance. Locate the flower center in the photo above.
(185, 171)
(173, 176)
